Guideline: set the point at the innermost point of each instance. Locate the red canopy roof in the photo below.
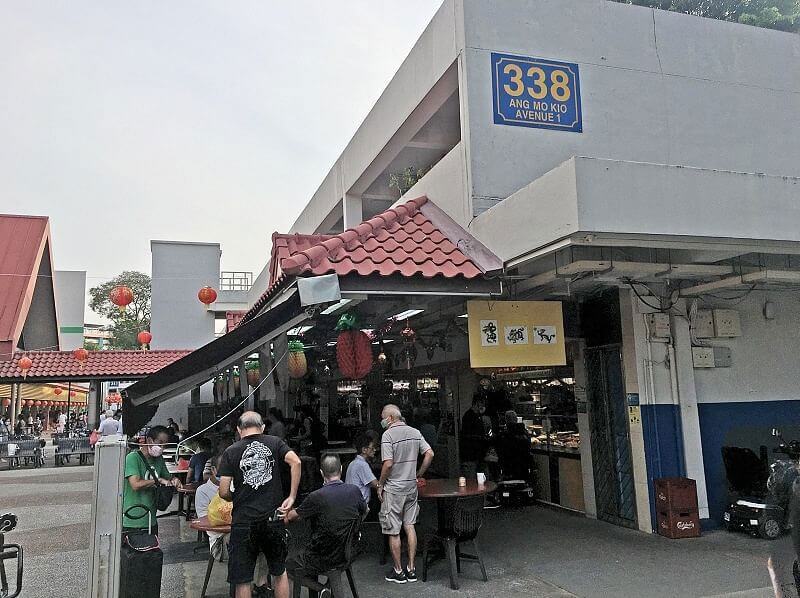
(108, 365)
(23, 241)
(414, 239)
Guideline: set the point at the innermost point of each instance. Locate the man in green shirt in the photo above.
(139, 482)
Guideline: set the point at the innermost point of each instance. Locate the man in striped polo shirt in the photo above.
(397, 489)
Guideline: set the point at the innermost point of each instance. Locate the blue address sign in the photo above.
(535, 92)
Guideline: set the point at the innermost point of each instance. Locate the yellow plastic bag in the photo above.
(220, 511)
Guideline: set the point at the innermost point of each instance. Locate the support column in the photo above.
(231, 383)
(268, 385)
(93, 404)
(244, 387)
(352, 210)
(587, 467)
(13, 412)
(195, 397)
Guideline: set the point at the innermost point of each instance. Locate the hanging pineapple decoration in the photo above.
(298, 366)
(353, 349)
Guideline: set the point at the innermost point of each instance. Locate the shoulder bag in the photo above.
(163, 492)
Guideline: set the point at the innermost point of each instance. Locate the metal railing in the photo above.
(235, 281)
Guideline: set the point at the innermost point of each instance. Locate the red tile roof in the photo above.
(115, 365)
(413, 239)
(401, 240)
(23, 240)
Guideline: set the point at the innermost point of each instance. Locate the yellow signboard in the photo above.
(515, 333)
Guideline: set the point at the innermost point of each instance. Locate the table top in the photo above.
(174, 470)
(202, 524)
(449, 488)
(188, 489)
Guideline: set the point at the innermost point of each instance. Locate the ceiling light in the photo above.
(463, 316)
(409, 313)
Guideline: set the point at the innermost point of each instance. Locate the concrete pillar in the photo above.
(268, 385)
(196, 396)
(231, 383)
(689, 416)
(244, 387)
(13, 410)
(93, 404)
(581, 398)
(352, 210)
(630, 368)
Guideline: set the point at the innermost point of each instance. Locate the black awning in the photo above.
(140, 400)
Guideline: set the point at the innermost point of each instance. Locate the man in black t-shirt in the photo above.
(253, 466)
(332, 511)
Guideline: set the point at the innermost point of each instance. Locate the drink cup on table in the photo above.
(481, 479)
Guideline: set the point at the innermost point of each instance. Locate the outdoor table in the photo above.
(186, 492)
(445, 491)
(203, 525)
(181, 474)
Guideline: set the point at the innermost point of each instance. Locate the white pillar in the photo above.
(352, 210)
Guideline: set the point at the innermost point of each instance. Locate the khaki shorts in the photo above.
(398, 510)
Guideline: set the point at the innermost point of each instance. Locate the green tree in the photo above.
(783, 15)
(136, 317)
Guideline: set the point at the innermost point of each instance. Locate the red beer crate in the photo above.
(679, 525)
(676, 494)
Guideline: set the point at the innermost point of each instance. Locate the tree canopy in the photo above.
(135, 318)
(783, 15)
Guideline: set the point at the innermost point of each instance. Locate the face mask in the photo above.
(384, 423)
(155, 451)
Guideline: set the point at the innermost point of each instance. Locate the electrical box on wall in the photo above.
(658, 325)
(722, 357)
(703, 357)
(726, 323)
(703, 324)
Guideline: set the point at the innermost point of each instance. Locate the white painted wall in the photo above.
(178, 319)
(636, 198)
(764, 357)
(656, 86)
(70, 292)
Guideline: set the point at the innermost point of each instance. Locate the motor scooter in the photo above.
(764, 493)
(9, 552)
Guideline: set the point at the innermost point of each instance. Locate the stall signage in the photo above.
(536, 92)
(515, 333)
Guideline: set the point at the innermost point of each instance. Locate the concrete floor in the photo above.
(531, 552)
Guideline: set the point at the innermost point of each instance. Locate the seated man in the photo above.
(198, 462)
(514, 450)
(332, 510)
(202, 499)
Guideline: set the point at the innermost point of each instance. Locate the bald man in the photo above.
(253, 465)
(397, 489)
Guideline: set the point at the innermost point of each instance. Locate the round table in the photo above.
(446, 492)
(203, 525)
(447, 489)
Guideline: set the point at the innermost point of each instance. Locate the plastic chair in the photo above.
(465, 518)
(333, 586)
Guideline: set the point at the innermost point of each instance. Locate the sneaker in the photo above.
(411, 575)
(396, 577)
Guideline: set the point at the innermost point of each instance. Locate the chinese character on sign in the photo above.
(516, 335)
(544, 335)
(489, 337)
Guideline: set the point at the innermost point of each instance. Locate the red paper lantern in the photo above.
(144, 338)
(28, 403)
(57, 391)
(354, 354)
(37, 403)
(81, 355)
(24, 364)
(6, 402)
(207, 296)
(121, 296)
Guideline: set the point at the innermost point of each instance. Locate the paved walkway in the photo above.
(532, 552)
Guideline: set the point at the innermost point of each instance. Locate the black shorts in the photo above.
(247, 541)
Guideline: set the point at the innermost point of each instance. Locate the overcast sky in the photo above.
(200, 121)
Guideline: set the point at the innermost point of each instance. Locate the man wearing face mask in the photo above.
(139, 482)
(397, 489)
